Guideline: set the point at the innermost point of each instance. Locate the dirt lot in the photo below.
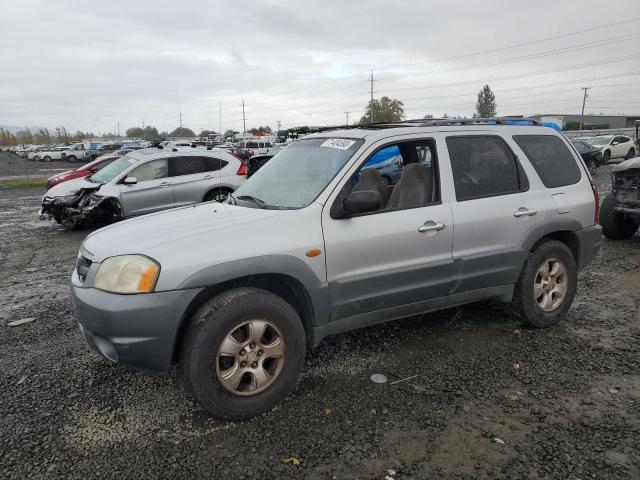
(12, 166)
(483, 397)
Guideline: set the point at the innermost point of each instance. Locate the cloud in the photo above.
(88, 65)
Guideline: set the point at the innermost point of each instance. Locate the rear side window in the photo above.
(484, 166)
(551, 158)
(188, 165)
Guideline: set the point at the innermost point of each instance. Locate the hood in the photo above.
(71, 187)
(150, 233)
(61, 174)
(630, 164)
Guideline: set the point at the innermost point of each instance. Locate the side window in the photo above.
(100, 166)
(213, 164)
(152, 170)
(188, 165)
(484, 166)
(624, 139)
(551, 159)
(404, 175)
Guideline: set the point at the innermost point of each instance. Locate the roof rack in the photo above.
(422, 122)
(447, 122)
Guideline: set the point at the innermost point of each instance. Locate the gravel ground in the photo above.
(482, 397)
(12, 166)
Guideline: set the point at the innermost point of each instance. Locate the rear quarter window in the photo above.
(551, 158)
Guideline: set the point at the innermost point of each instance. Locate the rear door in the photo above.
(193, 176)
(152, 192)
(494, 211)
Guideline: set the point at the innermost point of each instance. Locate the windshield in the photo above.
(599, 140)
(112, 170)
(298, 174)
(582, 146)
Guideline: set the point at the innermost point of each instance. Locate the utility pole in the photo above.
(347, 121)
(278, 123)
(180, 118)
(371, 92)
(118, 129)
(220, 132)
(244, 120)
(584, 101)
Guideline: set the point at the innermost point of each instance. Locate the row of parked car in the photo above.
(602, 149)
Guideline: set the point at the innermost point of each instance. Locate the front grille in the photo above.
(82, 266)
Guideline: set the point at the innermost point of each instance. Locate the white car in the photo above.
(33, 152)
(614, 146)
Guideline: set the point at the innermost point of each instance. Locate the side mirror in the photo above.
(130, 181)
(362, 201)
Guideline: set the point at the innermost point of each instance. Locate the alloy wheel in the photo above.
(550, 285)
(250, 357)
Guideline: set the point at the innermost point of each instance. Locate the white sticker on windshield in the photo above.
(340, 143)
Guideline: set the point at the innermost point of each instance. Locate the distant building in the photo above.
(589, 122)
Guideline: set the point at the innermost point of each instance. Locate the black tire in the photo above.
(36, 158)
(592, 165)
(211, 324)
(47, 158)
(217, 194)
(615, 226)
(631, 153)
(71, 158)
(524, 304)
(606, 156)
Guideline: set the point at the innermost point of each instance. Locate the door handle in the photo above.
(525, 212)
(207, 177)
(164, 184)
(431, 226)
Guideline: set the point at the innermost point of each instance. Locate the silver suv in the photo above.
(144, 181)
(318, 242)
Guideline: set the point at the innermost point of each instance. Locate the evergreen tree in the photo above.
(486, 105)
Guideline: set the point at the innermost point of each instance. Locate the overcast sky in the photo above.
(89, 65)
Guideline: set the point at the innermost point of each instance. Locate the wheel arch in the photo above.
(285, 286)
(225, 188)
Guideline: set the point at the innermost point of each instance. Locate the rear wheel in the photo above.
(36, 158)
(217, 194)
(592, 165)
(615, 225)
(47, 158)
(631, 153)
(546, 287)
(71, 158)
(242, 353)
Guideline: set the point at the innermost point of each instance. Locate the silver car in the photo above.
(144, 181)
(318, 242)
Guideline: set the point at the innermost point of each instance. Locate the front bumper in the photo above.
(589, 241)
(134, 330)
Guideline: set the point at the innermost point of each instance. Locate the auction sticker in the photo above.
(340, 143)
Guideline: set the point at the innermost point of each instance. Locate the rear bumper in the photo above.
(589, 239)
(134, 330)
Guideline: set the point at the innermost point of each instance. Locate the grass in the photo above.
(22, 183)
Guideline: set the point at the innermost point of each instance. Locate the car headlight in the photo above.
(127, 274)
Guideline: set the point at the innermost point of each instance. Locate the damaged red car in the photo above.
(83, 171)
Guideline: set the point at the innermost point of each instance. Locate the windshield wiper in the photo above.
(255, 200)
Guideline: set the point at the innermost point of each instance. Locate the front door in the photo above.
(152, 191)
(396, 259)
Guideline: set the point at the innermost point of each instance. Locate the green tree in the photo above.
(135, 132)
(182, 132)
(25, 136)
(230, 133)
(206, 133)
(384, 110)
(486, 105)
(266, 130)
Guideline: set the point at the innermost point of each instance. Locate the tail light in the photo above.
(243, 164)
(596, 197)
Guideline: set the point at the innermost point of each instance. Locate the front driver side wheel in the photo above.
(631, 154)
(242, 353)
(544, 292)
